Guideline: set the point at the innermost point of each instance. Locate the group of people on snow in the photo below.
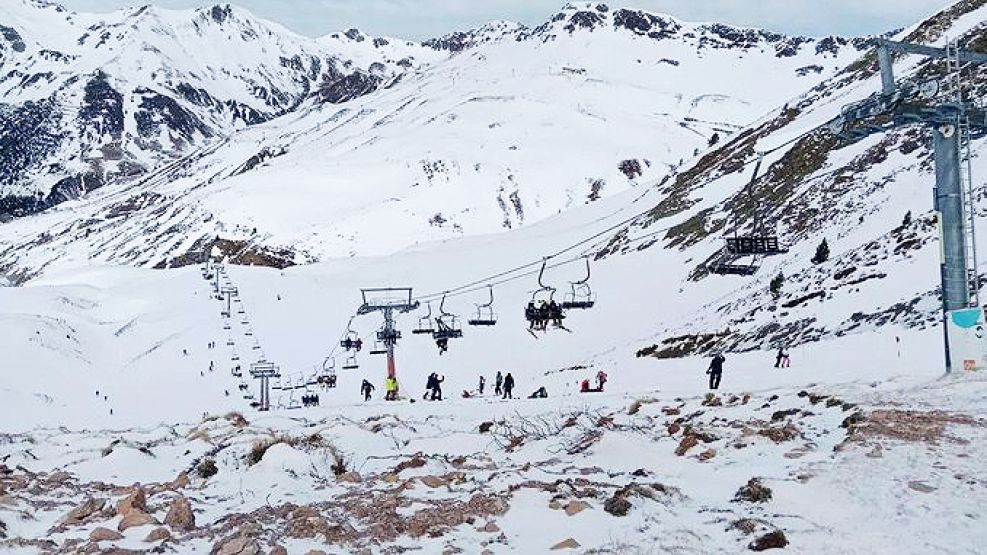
(601, 380)
(433, 387)
(715, 369)
(539, 316)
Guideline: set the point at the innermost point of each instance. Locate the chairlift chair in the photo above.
(484, 312)
(425, 323)
(350, 363)
(351, 341)
(378, 348)
(226, 325)
(544, 295)
(447, 324)
(581, 296)
(757, 243)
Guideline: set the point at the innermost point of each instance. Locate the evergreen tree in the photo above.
(776, 283)
(822, 253)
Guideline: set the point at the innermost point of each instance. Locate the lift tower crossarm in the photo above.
(885, 47)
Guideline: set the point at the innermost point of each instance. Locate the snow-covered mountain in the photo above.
(91, 99)
(128, 422)
(496, 128)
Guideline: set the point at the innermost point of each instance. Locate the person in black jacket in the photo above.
(715, 370)
(508, 386)
(366, 389)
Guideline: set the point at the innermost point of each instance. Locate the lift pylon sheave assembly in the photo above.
(264, 371)
(581, 295)
(484, 312)
(759, 242)
(387, 301)
(945, 105)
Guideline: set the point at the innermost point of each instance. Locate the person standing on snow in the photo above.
(366, 388)
(715, 370)
(779, 357)
(601, 379)
(483, 382)
(508, 386)
(391, 388)
(498, 384)
(437, 387)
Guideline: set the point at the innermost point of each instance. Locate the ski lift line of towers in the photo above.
(262, 370)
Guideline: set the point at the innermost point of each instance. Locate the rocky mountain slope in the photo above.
(871, 200)
(503, 127)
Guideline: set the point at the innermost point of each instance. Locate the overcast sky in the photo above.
(417, 19)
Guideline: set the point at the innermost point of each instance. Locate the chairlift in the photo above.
(378, 348)
(542, 307)
(226, 325)
(351, 341)
(425, 324)
(229, 342)
(581, 296)
(756, 244)
(447, 324)
(236, 371)
(351, 363)
(484, 312)
(446, 327)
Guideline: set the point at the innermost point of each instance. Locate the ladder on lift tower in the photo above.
(955, 81)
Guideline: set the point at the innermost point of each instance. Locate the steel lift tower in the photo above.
(264, 371)
(388, 300)
(948, 107)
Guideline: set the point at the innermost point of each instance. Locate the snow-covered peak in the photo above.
(491, 32)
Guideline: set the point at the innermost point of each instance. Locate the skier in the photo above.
(508, 386)
(601, 379)
(443, 344)
(779, 357)
(555, 312)
(498, 384)
(785, 360)
(366, 388)
(715, 370)
(483, 383)
(531, 313)
(540, 393)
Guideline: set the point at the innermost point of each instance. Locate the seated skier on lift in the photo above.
(531, 313)
(555, 313)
